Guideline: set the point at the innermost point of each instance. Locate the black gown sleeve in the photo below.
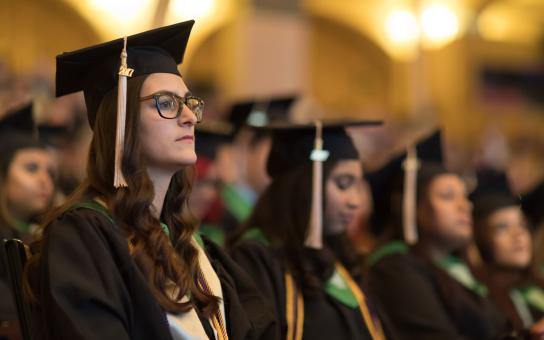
(266, 272)
(8, 311)
(403, 290)
(249, 313)
(83, 294)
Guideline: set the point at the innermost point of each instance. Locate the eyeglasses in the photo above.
(170, 105)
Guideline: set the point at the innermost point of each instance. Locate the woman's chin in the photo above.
(186, 159)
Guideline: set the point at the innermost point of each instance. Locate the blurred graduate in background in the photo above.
(284, 245)
(27, 188)
(504, 240)
(418, 274)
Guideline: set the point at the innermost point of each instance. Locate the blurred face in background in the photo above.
(29, 183)
(257, 156)
(343, 196)
(445, 212)
(510, 239)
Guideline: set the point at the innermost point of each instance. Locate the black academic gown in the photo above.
(89, 287)
(325, 317)
(408, 291)
(8, 311)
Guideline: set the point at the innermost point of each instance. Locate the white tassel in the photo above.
(409, 224)
(124, 73)
(314, 238)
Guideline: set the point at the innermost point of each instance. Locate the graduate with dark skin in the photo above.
(427, 289)
(122, 261)
(27, 186)
(504, 242)
(313, 288)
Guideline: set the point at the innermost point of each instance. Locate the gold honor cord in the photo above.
(292, 293)
(217, 319)
(373, 325)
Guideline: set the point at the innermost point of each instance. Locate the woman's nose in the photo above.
(466, 205)
(45, 180)
(187, 117)
(355, 199)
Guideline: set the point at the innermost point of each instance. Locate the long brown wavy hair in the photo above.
(160, 258)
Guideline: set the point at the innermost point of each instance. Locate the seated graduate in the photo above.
(121, 260)
(282, 244)
(212, 137)
(27, 187)
(249, 148)
(423, 284)
(503, 239)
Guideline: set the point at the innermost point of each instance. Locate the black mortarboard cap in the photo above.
(20, 120)
(292, 144)
(260, 113)
(56, 135)
(491, 193)
(278, 109)
(17, 131)
(94, 70)
(239, 112)
(209, 135)
(386, 183)
(531, 203)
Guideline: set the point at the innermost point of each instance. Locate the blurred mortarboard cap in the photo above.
(239, 112)
(210, 135)
(17, 131)
(94, 70)
(531, 203)
(259, 113)
(428, 150)
(491, 193)
(292, 144)
(18, 120)
(387, 183)
(55, 135)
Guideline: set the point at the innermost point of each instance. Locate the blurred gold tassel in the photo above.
(409, 224)
(314, 238)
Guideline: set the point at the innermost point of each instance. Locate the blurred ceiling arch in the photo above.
(33, 32)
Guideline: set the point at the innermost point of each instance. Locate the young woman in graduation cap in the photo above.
(121, 260)
(313, 195)
(27, 187)
(418, 276)
(503, 238)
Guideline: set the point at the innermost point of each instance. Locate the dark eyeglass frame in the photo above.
(182, 101)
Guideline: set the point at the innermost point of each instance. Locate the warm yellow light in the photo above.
(401, 27)
(507, 23)
(124, 11)
(439, 24)
(192, 9)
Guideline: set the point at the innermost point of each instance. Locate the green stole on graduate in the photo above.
(236, 204)
(523, 297)
(339, 286)
(458, 270)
